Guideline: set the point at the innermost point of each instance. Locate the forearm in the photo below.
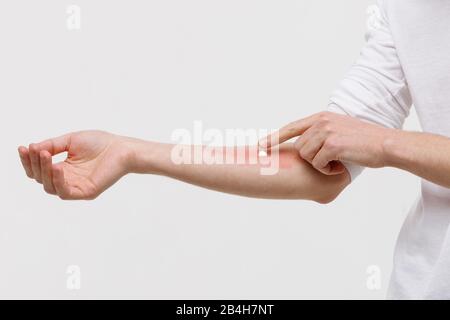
(293, 179)
(423, 154)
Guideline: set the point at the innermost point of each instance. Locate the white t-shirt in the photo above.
(406, 61)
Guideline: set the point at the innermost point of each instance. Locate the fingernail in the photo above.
(262, 153)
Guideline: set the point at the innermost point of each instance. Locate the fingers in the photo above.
(31, 157)
(26, 162)
(333, 168)
(313, 144)
(326, 162)
(47, 172)
(336, 167)
(287, 132)
(35, 162)
(308, 145)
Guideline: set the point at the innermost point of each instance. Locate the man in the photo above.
(406, 60)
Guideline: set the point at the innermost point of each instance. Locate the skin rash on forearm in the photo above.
(243, 174)
(246, 156)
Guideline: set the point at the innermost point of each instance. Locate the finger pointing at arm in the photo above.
(287, 132)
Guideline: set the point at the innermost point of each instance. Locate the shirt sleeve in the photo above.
(375, 88)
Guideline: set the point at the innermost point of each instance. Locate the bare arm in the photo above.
(423, 154)
(96, 160)
(292, 177)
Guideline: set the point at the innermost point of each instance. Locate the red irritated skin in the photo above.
(288, 177)
(246, 155)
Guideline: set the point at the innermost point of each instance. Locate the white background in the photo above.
(146, 68)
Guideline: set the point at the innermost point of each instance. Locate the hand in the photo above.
(328, 138)
(95, 160)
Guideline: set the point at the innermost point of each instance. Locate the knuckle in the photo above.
(302, 152)
(328, 128)
(332, 144)
(324, 115)
(316, 164)
(32, 150)
(305, 154)
(323, 122)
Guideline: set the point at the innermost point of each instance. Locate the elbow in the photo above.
(328, 192)
(326, 199)
(328, 195)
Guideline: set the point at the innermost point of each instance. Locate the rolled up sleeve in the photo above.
(375, 88)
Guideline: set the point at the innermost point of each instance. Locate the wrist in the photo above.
(140, 155)
(392, 147)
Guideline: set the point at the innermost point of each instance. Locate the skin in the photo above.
(310, 169)
(96, 160)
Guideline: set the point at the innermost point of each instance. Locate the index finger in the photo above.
(287, 132)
